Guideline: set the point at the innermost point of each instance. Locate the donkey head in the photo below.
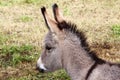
(55, 41)
(51, 54)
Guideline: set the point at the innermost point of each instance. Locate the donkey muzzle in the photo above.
(40, 66)
(39, 69)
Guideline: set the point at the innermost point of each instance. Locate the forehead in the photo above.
(48, 38)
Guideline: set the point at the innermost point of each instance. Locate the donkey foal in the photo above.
(65, 47)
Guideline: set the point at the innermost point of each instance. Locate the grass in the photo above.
(12, 55)
(9, 2)
(32, 1)
(49, 76)
(20, 2)
(22, 30)
(3, 38)
(116, 30)
(25, 18)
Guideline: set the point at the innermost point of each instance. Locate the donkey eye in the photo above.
(48, 47)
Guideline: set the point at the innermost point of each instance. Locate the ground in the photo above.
(22, 30)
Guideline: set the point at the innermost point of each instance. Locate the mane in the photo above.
(81, 35)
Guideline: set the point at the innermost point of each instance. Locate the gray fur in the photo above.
(65, 51)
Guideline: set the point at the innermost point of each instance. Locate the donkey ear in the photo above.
(51, 24)
(57, 14)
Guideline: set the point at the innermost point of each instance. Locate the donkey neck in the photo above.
(76, 60)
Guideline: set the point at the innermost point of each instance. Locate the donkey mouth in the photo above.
(40, 70)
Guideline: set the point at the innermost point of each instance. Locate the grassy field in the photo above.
(22, 30)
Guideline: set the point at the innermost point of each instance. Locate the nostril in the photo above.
(42, 70)
(39, 69)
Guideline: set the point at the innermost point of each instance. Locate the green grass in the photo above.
(45, 76)
(116, 33)
(12, 55)
(116, 30)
